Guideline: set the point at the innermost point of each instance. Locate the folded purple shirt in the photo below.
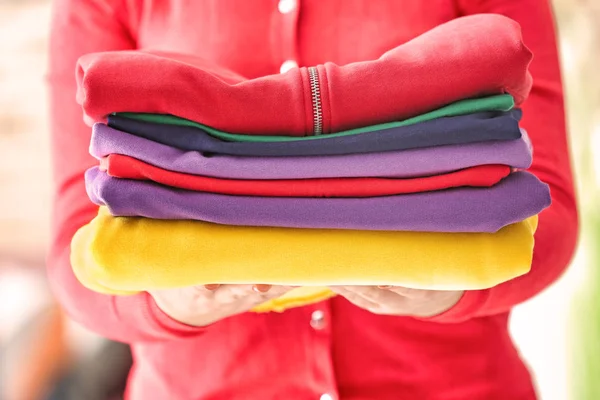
(514, 199)
(469, 128)
(399, 164)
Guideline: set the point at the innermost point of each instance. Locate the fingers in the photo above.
(410, 293)
(235, 291)
(400, 300)
(375, 299)
(204, 304)
(258, 288)
(262, 293)
(375, 294)
(261, 288)
(354, 297)
(271, 291)
(245, 295)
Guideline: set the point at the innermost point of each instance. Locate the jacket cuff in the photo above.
(163, 326)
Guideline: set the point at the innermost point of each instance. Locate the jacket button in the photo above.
(326, 396)
(317, 320)
(286, 6)
(287, 65)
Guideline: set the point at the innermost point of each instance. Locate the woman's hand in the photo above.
(395, 300)
(204, 305)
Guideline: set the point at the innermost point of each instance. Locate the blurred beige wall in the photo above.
(24, 161)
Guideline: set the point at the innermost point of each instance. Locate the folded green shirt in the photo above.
(503, 102)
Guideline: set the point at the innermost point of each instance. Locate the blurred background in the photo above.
(43, 355)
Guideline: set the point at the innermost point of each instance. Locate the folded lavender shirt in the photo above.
(514, 199)
(399, 164)
(469, 128)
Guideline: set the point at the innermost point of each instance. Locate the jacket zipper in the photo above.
(315, 91)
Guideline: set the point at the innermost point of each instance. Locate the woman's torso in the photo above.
(329, 348)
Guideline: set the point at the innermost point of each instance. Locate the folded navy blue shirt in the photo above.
(470, 128)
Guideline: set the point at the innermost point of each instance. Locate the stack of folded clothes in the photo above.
(407, 170)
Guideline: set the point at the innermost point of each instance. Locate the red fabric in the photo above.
(468, 57)
(121, 166)
(465, 353)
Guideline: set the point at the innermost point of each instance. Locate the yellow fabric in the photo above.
(295, 298)
(123, 255)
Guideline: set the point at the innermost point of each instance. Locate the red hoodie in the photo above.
(331, 348)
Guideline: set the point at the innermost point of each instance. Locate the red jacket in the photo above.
(330, 348)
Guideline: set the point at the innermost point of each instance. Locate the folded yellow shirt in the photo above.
(123, 255)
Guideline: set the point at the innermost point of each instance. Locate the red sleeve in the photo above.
(80, 27)
(544, 120)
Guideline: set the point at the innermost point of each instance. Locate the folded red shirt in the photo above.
(121, 166)
(477, 55)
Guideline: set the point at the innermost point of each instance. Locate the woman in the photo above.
(370, 342)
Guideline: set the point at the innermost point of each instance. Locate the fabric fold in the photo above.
(119, 166)
(501, 102)
(478, 127)
(398, 164)
(489, 46)
(135, 254)
(514, 199)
